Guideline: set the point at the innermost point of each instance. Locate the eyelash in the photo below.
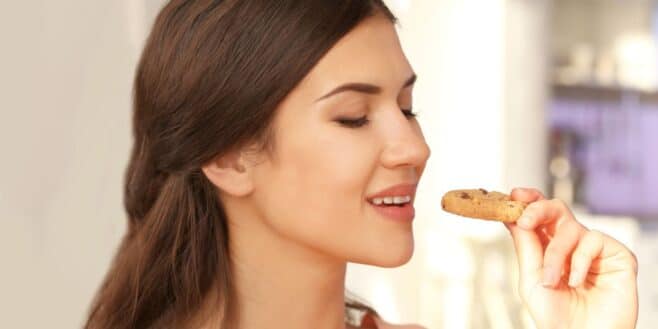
(356, 123)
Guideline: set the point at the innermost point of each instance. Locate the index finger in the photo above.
(547, 212)
(527, 195)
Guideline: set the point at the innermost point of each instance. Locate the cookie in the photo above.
(482, 204)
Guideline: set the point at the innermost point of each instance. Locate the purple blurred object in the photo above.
(619, 153)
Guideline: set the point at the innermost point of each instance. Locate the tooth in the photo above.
(399, 199)
(392, 200)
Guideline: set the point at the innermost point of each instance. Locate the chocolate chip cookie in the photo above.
(482, 204)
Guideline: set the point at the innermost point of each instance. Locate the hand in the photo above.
(569, 276)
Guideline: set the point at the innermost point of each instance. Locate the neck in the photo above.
(284, 293)
(282, 284)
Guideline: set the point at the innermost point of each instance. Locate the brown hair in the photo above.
(209, 79)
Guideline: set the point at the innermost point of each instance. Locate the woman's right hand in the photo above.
(571, 277)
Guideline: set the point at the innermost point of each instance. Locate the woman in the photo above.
(264, 131)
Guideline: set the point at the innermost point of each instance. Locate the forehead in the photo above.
(370, 53)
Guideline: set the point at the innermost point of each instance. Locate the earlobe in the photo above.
(229, 174)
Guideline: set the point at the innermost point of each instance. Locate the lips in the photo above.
(403, 213)
(396, 190)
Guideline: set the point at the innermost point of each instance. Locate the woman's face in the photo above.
(315, 189)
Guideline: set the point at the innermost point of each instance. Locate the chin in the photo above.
(390, 256)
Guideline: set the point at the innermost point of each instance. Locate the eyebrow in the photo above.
(364, 88)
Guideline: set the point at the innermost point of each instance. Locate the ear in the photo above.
(230, 174)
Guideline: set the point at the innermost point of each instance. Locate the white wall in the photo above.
(66, 80)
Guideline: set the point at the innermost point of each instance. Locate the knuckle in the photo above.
(576, 228)
(595, 236)
(559, 204)
(538, 192)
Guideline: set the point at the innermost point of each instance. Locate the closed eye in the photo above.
(362, 121)
(353, 123)
(409, 113)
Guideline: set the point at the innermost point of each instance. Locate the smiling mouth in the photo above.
(396, 208)
(389, 205)
(397, 201)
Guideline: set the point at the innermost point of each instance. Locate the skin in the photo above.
(599, 285)
(298, 215)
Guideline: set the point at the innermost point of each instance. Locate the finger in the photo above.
(527, 195)
(589, 248)
(559, 251)
(545, 212)
(529, 253)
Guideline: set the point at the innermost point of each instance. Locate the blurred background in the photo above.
(560, 95)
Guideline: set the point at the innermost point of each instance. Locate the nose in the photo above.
(405, 146)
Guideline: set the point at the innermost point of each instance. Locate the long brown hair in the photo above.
(209, 79)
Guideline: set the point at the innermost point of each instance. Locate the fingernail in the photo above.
(524, 222)
(550, 277)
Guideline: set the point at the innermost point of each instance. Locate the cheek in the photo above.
(328, 176)
(315, 192)
(341, 164)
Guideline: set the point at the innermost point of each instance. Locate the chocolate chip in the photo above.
(465, 195)
(484, 191)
